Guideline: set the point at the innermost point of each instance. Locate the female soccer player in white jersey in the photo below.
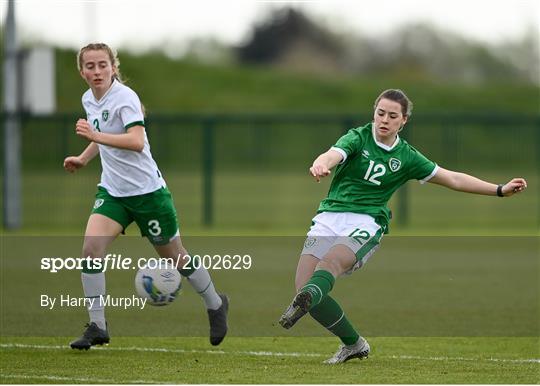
(131, 189)
(372, 163)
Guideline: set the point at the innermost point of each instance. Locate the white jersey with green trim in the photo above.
(371, 172)
(124, 172)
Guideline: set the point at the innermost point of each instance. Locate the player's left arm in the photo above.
(462, 182)
(133, 139)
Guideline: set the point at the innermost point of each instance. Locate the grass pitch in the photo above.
(271, 360)
(434, 309)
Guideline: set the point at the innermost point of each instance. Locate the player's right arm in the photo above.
(73, 163)
(323, 163)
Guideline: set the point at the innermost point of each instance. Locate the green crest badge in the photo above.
(105, 115)
(394, 164)
(310, 242)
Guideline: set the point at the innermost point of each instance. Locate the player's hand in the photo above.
(515, 185)
(83, 129)
(72, 164)
(318, 170)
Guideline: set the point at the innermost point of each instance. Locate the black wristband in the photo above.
(499, 190)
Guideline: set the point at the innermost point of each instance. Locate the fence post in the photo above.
(403, 192)
(208, 171)
(537, 166)
(403, 206)
(12, 125)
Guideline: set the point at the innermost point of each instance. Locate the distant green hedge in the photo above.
(179, 86)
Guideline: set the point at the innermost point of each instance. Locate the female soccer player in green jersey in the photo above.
(372, 163)
(131, 189)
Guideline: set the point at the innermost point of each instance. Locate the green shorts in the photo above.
(153, 212)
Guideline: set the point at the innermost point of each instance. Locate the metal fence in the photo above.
(250, 170)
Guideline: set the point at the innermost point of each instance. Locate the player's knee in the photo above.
(183, 260)
(330, 265)
(92, 248)
(181, 257)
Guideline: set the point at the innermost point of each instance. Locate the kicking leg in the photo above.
(328, 313)
(331, 316)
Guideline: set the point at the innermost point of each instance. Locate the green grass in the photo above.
(271, 360)
(435, 309)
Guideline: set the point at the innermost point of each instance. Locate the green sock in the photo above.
(194, 262)
(332, 317)
(319, 286)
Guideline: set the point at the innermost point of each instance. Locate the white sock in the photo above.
(202, 283)
(94, 289)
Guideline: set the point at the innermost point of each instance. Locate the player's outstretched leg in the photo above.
(298, 308)
(218, 321)
(92, 335)
(358, 350)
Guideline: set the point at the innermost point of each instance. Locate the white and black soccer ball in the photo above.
(159, 285)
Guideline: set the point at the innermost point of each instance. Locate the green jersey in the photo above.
(371, 172)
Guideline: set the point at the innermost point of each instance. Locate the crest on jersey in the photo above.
(394, 164)
(105, 115)
(310, 242)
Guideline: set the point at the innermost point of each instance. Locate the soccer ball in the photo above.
(159, 285)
